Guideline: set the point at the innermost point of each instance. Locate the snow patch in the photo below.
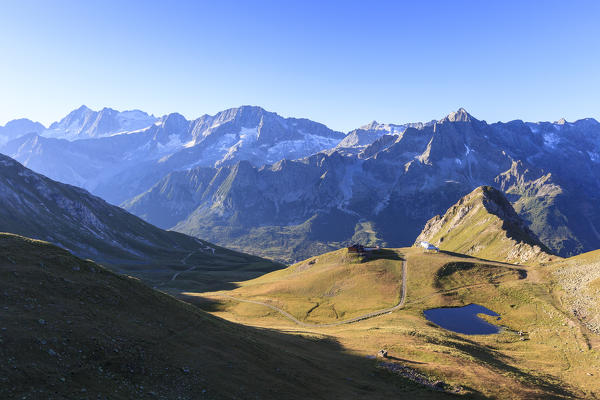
(173, 144)
(551, 139)
(468, 150)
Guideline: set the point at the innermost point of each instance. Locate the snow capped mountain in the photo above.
(81, 123)
(261, 137)
(120, 166)
(357, 140)
(19, 127)
(84, 123)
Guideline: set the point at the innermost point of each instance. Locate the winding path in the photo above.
(184, 261)
(348, 321)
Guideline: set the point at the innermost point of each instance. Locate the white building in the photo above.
(428, 246)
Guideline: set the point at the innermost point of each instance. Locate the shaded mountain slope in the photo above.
(72, 329)
(33, 205)
(484, 224)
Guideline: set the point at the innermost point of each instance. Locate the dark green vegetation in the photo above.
(70, 329)
(454, 274)
(35, 206)
(484, 224)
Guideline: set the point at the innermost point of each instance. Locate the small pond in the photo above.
(463, 319)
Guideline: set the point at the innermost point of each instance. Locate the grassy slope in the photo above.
(71, 329)
(35, 206)
(482, 234)
(325, 288)
(200, 270)
(553, 360)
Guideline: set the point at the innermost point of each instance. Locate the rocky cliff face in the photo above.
(484, 224)
(579, 277)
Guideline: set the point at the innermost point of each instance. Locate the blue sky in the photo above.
(343, 63)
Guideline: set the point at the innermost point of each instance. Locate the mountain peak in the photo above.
(175, 123)
(372, 125)
(561, 121)
(484, 224)
(461, 115)
(82, 108)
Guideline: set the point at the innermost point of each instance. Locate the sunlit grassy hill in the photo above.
(484, 224)
(331, 287)
(541, 351)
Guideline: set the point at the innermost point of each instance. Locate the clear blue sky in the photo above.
(343, 63)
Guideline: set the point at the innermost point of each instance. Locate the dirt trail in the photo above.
(176, 274)
(348, 321)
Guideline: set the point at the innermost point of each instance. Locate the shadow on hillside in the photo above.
(126, 333)
(357, 377)
(385, 254)
(205, 303)
(499, 362)
(461, 255)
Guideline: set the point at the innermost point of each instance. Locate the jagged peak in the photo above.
(82, 108)
(461, 115)
(372, 125)
(561, 121)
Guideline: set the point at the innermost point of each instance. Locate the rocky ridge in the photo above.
(484, 224)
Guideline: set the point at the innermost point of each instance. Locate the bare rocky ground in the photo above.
(577, 277)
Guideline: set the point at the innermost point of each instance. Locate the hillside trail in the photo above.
(176, 274)
(184, 261)
(348, 321)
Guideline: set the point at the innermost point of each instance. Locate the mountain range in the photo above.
(385, 192)
(291, 188)
(120, 166)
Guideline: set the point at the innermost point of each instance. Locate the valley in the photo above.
(523, 359)
(334, 307)
(288, 200)
(72, 329)
(337, 308)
